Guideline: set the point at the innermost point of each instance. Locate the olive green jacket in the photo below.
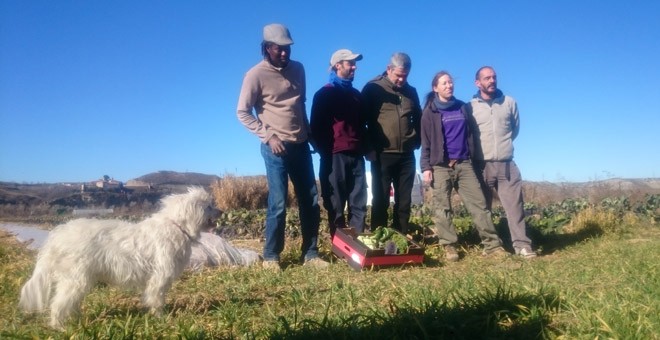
(393, 116)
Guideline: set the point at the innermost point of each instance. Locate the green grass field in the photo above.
(586, 285)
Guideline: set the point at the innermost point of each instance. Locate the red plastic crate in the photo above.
(346, 245)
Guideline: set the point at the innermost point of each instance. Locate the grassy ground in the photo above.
(593, 285)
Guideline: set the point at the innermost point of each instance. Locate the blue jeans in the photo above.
(297, 165)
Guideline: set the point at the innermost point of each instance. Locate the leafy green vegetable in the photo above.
(381, 235)
(368, 241)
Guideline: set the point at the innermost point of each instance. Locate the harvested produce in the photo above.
(381, 236)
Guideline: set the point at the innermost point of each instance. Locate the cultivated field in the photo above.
(598, 276)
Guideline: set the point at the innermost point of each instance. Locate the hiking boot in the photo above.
(272, 265)
(526, 253)
(317, 263)
(497, 252)
(451, 254)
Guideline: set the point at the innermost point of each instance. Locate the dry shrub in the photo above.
(233, 192)
(594, 221)
(631, 219)
(244, 192)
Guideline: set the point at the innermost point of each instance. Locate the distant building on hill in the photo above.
(104, 183)
(135, 184)
(108, 183)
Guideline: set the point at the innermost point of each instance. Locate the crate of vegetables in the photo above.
(382, 247)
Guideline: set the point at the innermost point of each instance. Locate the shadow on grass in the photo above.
(545, 244)
(499, 314)
(551, 243)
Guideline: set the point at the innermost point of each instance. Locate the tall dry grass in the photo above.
(245, 192)
(598, 221)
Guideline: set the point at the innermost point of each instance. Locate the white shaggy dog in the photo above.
(148, 255)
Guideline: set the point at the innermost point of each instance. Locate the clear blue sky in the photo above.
(125, 88)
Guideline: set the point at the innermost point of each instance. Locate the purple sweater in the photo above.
(445, 134)
(337, 121)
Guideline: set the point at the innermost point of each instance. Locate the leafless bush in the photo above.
(248, 192)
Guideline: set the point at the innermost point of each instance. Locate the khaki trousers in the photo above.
(462, 178)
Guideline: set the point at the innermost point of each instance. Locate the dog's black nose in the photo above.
(216, 213)
(212, 212)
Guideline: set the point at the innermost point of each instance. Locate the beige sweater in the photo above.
(277, 96)
(497, 125)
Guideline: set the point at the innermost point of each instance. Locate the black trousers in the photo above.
(395, 170)
(343, 182)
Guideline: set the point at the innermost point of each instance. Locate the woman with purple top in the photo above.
(445, 163)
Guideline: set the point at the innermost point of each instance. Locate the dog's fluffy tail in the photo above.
(36, 291)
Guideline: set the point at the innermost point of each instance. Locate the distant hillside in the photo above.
(178, 178)
(29, 202)
(634, 188)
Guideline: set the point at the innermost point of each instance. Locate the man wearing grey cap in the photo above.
(272, 106)
(339, 131)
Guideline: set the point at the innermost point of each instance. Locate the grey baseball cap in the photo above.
(344, 54)
(277, 34)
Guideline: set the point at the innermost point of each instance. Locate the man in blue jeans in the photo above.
(275, 90)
